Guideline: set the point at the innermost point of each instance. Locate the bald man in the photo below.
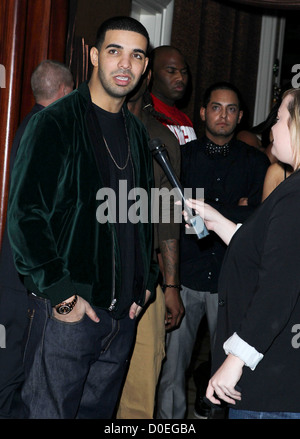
(50, 81)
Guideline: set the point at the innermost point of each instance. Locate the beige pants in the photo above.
(138, 396)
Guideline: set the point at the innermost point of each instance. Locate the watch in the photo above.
(66, 307)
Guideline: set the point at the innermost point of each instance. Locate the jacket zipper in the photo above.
(113, 302)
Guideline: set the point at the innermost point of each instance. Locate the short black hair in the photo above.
(160, 49)
(222, 85)
(120, 23)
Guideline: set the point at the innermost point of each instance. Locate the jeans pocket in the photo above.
(71, 336)
(76, 322)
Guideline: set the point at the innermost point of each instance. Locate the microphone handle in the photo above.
(170, 173)
(194, 220)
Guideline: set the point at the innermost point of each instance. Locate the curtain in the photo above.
(221, 43)
(77, 50)
(30, 31)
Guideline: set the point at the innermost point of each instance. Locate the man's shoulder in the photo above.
(134, 122)
(35, 109)
(192, 147)
(243, 146)
(63, 110)
(59, 118)
(251, 151)
(156, 129)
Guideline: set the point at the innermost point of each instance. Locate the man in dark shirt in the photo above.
(50, 81)
(231, 174)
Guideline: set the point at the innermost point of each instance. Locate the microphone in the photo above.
(160, 154)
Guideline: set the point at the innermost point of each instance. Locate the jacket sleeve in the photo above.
(167, 226)
(36, 187)
(153, 269)
(152, 278)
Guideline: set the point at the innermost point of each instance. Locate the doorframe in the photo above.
(157, 17)
(271, 49)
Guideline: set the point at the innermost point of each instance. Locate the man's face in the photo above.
(282, 147)
(170, 76)
(221, 116)
(120, 62)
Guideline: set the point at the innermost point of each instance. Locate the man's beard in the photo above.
(221, 134)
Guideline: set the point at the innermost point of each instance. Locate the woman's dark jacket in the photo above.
(259, 299)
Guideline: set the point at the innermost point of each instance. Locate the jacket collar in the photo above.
(84, 91)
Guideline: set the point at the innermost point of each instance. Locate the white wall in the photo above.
(271, 47)
(157, 17)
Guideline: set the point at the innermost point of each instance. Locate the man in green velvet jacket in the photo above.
(89, 278)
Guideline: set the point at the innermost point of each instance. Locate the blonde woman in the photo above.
(256, 361)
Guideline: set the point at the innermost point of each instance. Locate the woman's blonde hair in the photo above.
(294, 123)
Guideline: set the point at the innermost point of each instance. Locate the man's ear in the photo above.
(149, 74)
(146, 64)
(240, 116)
(202, 113)
(62, 90)
(94, 56)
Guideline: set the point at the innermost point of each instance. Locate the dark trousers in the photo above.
(75, 370)
(13, 321)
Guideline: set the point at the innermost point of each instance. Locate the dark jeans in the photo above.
(14, 318)
(75, 370)
(248, 414)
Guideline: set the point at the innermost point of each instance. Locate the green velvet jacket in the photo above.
(59, 246)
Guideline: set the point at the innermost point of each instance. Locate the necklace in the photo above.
(121, 168)
(111, 156)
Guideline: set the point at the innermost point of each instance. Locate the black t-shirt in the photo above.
(121, 181)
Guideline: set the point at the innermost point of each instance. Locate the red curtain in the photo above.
(30, 31)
